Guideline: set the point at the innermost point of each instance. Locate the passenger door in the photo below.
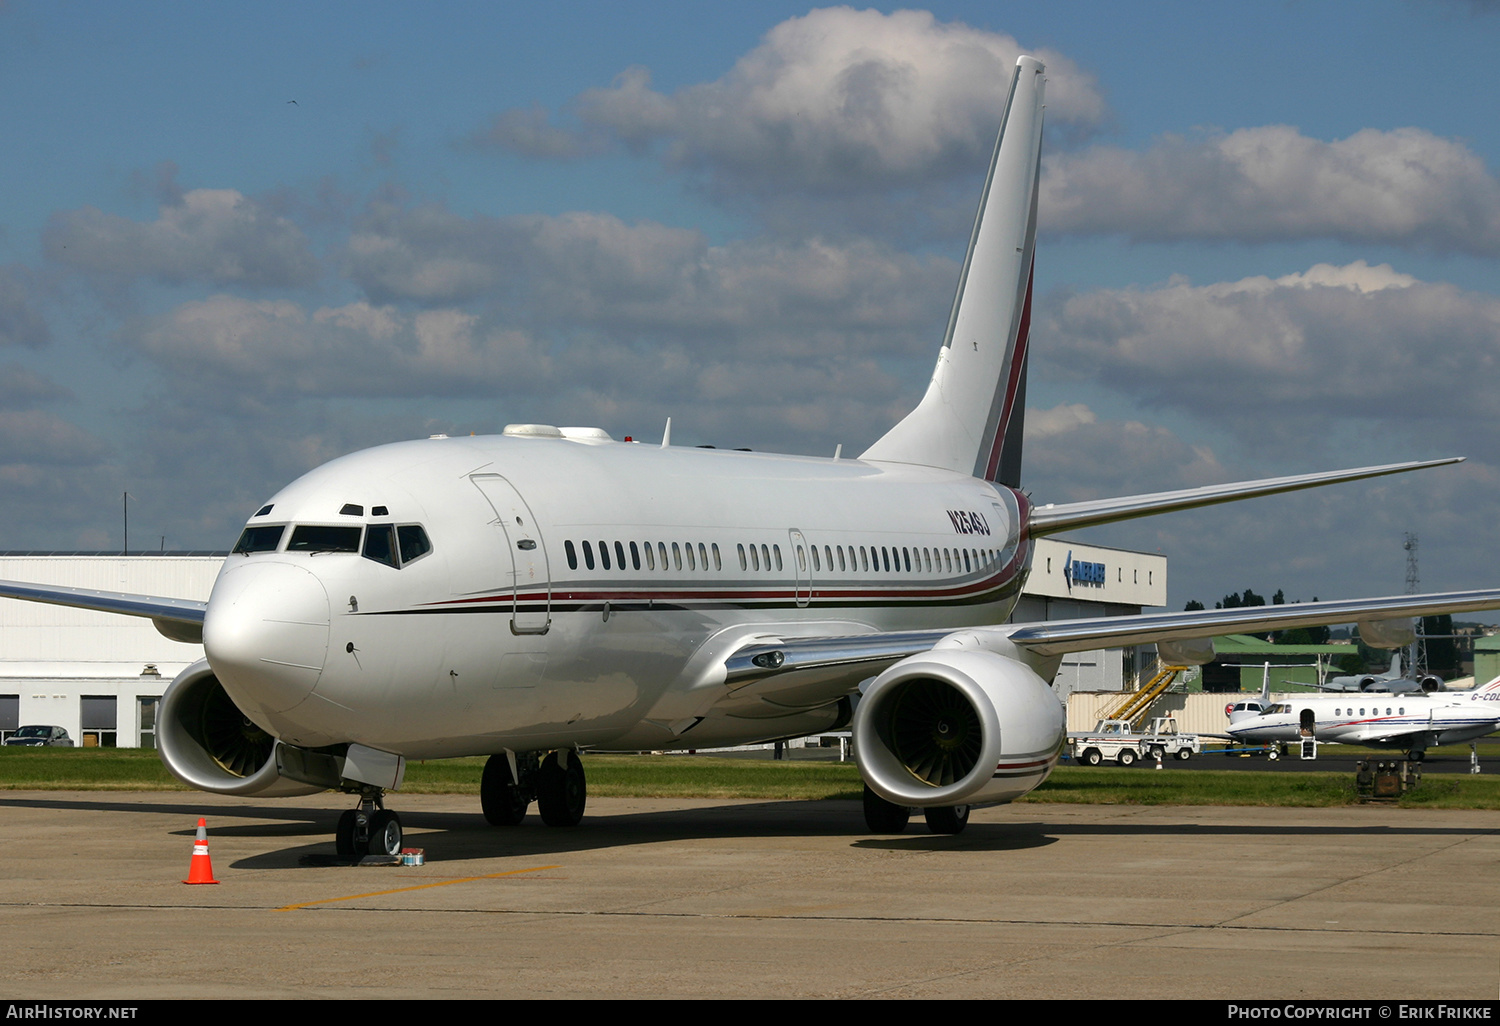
(531, 579)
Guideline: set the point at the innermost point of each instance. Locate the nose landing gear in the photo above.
(371, 829)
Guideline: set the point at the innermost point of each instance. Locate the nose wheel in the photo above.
(370, 829)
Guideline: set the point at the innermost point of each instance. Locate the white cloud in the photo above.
(836, 100)
(230, 350)
(35, 437)
(1403, 187)
(1354, 348)
(217, 236)
(1069, 454)
(530, 132)
(650, 282)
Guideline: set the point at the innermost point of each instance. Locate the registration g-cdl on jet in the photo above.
(551, 590)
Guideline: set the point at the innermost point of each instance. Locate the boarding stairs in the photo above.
(1137, 704)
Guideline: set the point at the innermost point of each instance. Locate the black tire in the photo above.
(1093, 757)
(1158, 753)
(947, 819)
(561, 793)
(343, 836)
(1184, 754)
(1273, 754)
(1126, 757)
(499, 797)
(385, 833)
(883, 817)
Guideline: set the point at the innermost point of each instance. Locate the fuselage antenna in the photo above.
(666, 435)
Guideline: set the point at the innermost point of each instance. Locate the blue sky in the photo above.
(475, 214)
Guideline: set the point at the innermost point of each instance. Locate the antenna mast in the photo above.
(1417, 658)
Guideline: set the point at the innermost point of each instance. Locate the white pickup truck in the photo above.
(1115, 741)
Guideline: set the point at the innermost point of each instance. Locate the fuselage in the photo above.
(1407, 721)
(456, 596)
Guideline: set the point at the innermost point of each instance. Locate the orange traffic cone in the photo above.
(201, 871)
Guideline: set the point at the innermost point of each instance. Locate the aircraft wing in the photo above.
(806, 671)
(1054, 517)
(178, 619)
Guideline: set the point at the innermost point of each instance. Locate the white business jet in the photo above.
(1412, 722)
(532, 595)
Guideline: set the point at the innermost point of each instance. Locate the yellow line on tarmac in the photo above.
(418, 887)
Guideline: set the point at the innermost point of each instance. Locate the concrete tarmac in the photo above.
(682, 898)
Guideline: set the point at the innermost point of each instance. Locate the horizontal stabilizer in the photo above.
(1055, 517)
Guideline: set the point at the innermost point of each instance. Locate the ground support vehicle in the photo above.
(1109, 741)
(1164, 740)
(1272, 752)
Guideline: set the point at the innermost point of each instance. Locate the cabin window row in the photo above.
(754, 558)
(891, 559)
(692, 555)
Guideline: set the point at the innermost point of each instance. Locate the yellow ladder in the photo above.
(1137, 704)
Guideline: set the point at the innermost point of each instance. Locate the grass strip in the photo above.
(699, 776)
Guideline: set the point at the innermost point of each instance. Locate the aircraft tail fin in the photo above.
(970, 419)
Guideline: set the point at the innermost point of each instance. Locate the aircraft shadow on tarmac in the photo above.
(452, 836)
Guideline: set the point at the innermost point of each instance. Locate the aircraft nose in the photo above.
(266, 633)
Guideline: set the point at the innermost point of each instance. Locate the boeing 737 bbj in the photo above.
(532, 595)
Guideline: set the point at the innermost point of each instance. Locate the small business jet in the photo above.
(1410, 722)
(551, 590)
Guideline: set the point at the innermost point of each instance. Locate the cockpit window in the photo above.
(413, 541)
(317, 538)
(380, 544)
(260, 539)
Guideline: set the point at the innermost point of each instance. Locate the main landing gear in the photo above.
(883, 817)
(371, 829)
(512, 782)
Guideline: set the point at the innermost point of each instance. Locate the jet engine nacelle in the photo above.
(957, 727)
(1396, 633)
(207, 743)
(1431, 682)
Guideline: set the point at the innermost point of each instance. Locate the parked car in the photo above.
(35, 735)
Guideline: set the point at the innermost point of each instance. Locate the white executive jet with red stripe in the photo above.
(1409, 721)
(530, 595)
